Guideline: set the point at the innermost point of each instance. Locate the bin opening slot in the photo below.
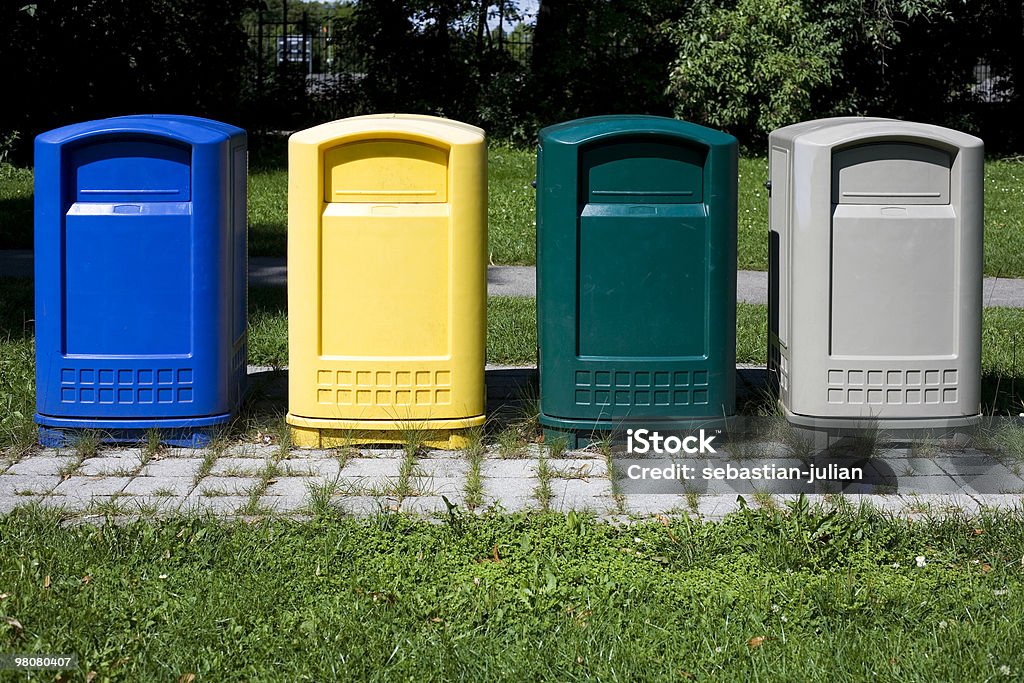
(129, 169)
(642, 170)
(403, 171)
(891, 173)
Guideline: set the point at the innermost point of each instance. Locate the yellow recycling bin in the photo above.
(387, 281)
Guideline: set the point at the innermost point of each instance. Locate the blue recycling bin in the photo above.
(140, 272)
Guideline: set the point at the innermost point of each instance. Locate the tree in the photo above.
(749, 68)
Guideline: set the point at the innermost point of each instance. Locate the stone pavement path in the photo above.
(262, 478)
(751, 286)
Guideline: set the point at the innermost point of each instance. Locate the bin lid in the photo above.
(213, 124)
(181, 129)
(593, 128)
(840, 131)
(388, 125)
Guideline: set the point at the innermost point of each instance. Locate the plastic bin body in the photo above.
(636, 275)
(387, 280)
(140, 277)
(875, 235)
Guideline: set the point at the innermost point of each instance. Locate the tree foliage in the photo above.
(72, 60)
(751, 67)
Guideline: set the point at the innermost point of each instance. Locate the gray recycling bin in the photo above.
(875, 273)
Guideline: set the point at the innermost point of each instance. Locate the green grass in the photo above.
(268, 212)
(787, 595)
(511, 209)
(15, 207)
(511, 216)
(1004, 218)
(752, 215)
(511, 330)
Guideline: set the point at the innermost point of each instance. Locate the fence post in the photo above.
(259, 49)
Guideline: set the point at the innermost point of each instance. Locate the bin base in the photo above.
(890, 425)
(58, 432)
(576, 434)
(450, 434)
(821, 432)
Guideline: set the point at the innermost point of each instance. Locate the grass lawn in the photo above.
(781, 595)
(511, 209)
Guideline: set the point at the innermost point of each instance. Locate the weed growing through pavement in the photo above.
(474, 454)
(765, 500)
(86, 443)
(152, 446)
(604, 447)
(209, 458)
(542, 493)
(511, 443)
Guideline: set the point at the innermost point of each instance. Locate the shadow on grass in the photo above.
(268, 152)
(17, 312)
(268, 239)
(1002, 394)
(16, 222)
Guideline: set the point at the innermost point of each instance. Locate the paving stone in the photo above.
(10, 503)
(577, 468)
(503, 469)
(442, 468)
(992, 483)
(507, 487)
(362, 506)
(426, 505)
(160, 505)
(1000, 501)
(907, 467)
(251, 451)
(438, 486)
(305, 467)
(973, 465)
(80, 489)
(40, 465)
(217, 505)
(512, 503)
(293, 487)
(372, 467)
(940, 484)
(110, 464)
(172, 467)
(148, 486)
(11, 484)
(284, 505)
(650, 504)
(716, 507)
(238, 467)
(578, 494)
(228, 486)
(386, 453)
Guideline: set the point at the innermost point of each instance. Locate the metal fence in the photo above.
(324, 48)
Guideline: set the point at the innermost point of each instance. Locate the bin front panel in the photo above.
(372, 260)
(893, 245)
(636, 266)
(387, 235)
(138, 225)
(631, 279)
(130, 218)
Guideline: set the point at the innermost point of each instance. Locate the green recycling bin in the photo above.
(636, 276)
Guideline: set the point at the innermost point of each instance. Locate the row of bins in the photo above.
(875, 268)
